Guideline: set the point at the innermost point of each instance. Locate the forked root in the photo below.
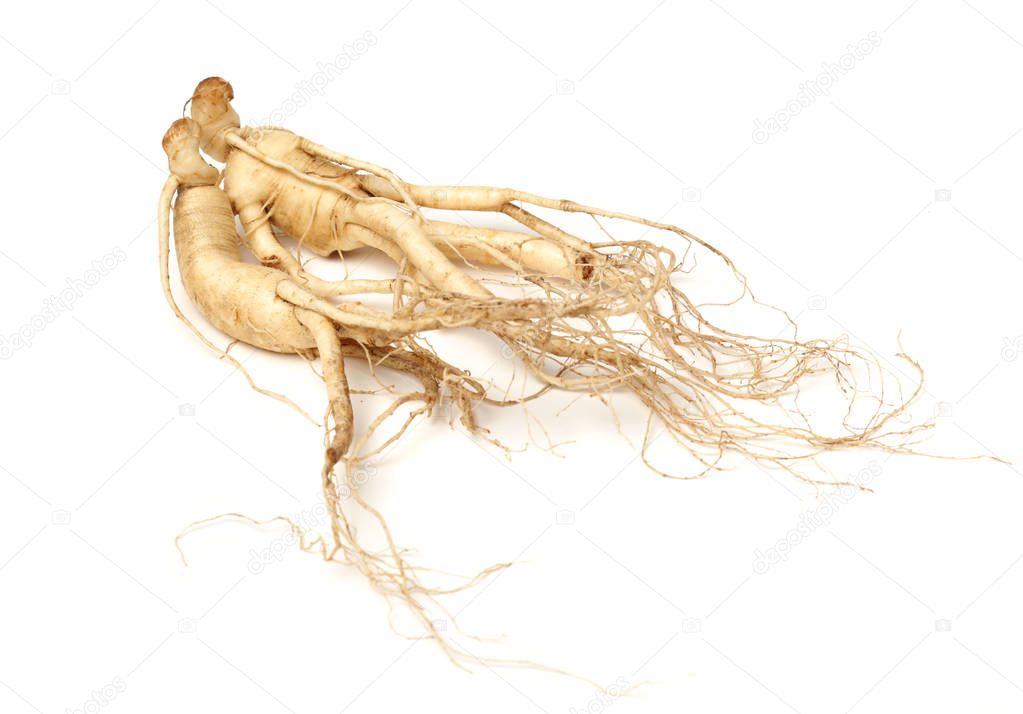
(598, 318)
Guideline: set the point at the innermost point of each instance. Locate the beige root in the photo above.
(262, 307)
(602, 318)
(333, 214)
(699, 380)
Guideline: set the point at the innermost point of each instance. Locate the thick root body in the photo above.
(239, 298)
(597, 318)
(326, 216)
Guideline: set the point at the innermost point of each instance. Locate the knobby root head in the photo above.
(181, 144)
(211, 108)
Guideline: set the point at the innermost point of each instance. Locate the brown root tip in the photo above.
(211, 107)
(585, 264)
(211, 100)
(181, 144)
(179, 134)
(215, 87)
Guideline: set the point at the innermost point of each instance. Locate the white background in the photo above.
(906, 597)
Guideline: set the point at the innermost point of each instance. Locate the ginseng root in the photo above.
(626, 323)
(332, 213)
(596, 318)
(262, 307)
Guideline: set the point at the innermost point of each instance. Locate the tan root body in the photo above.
(594, 318)
(333, 213)
(245, 301)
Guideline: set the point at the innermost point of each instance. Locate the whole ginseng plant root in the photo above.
(596, 318)
(632, 327)
(262, 307)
